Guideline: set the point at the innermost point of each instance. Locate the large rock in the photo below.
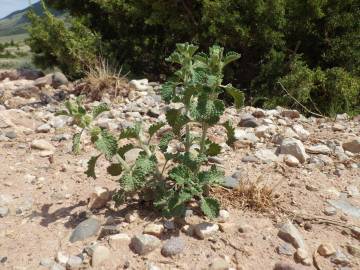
(248, 120)
(352, 146)
(266, 155)
(144, 244)
(17, 119)
(99, 198)
(173, 247)
(293, 147)
(42, 144)
(100, 255)
(59, 79)
(85, 229)
(289, 233)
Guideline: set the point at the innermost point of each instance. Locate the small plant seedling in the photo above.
(185, 175)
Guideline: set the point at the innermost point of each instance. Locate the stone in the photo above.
(330, 211)
(247, 120)
(292, 114)
(353, 250)
(58, 79)
(155, 229)
(44, 128)
(249, 159)
(89, 249)
(318, 149)
(301, 132)
(302, 256)
(352, 146)
(223, 216)
(74, 262)
(338, 127)
(346, 207)
(10, 134)
(43, 81)
(289, 233)
(205, 229)
(131, 217)
(4, 211)
(42, 144)
(57, 266)
(219, 264)
(243, 135)
(340, 258)
(326, 250)
(288, 266)
(293, 147)
(285, 249)
(144, 243)
(108, 230)
(119, 240)
(140, 85)
(352, 191)
(262, 131)
(100, 255)
(291, 161)
(62, 258)
(99, 198)
(173, 246)
(266, 155)
(85, 229)
(3, 259)
(231, 182)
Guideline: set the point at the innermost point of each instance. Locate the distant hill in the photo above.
(16, 22)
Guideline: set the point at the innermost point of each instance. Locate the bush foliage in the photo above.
(277, 40)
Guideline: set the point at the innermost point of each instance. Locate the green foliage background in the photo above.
(311, 46)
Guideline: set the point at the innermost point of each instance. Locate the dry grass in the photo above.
(104, 78)
(255, 195)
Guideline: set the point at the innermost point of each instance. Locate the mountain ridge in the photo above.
(16, 22)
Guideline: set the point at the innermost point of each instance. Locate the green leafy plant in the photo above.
(185, 175)
(81, 118)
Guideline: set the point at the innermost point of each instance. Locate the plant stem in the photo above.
(122, 162)
(187, 135)
(203, 137)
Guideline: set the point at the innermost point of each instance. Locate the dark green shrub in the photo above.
(270, 35)
(54, 44)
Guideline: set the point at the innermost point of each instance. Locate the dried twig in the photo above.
(298, 102)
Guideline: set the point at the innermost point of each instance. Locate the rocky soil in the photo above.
(53, 217)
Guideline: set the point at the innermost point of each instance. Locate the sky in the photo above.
(8, 6)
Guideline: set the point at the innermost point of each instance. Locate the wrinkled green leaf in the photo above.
(103, 107)
(230, 131)
(76, 143)
(181, 175)
(236, 94)
(231, 57)
(122, 150)
(210, 207)
(176, 120)
(164, 141)
(130, 132)
(90, 172)
(213, 149)
(155, 128)
(168, 91)
(106, 144)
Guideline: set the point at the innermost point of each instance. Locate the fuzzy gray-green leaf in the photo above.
(210, 207)
(90, 172)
